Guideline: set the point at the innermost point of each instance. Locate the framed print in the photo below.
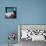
(10, 12)
(32, 32)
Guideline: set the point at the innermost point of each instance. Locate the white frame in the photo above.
(19, 30)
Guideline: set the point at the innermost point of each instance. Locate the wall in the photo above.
(28, 12)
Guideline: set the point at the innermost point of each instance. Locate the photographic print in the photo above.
(33, 32)
(10, 12)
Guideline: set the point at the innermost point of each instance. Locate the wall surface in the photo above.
(28, 12)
